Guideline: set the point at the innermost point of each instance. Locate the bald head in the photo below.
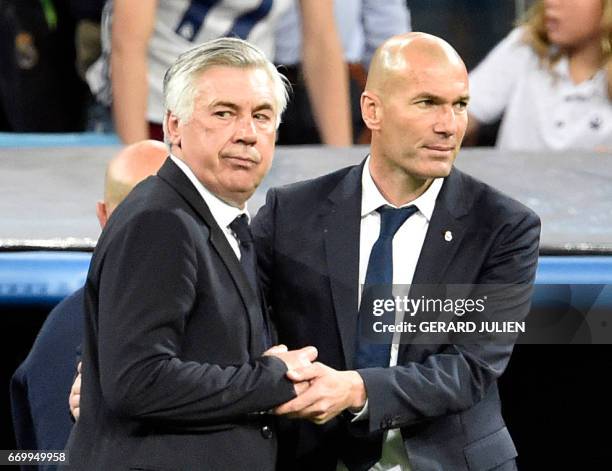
(400, 55)
(129, 167)
(415, 104)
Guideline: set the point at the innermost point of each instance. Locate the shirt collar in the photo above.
(561, 68)
(223, 212)
(372, 199)
(596, 85)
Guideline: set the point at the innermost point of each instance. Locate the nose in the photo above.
(246, 133)
(446, 121)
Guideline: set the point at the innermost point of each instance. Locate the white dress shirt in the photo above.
(407, 244)
(223, 213)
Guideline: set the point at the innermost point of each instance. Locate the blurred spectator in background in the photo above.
(40, 89)
(87, 32)
(551, 78)
(148, 35)
(41, 384)
(363, 25)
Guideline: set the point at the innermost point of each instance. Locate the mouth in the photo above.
(243, 161)
(440, 148)
(551, 23)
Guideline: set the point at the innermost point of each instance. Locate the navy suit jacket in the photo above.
(41, 385)
(443, 397)
(173, 375)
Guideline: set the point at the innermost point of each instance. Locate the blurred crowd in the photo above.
(95, 65)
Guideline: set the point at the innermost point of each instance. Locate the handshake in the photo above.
(322, 392)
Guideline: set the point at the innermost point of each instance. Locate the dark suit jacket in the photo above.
(443, 397)
(41, 385)
(173, 376)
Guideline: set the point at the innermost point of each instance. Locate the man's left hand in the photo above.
(330, 392)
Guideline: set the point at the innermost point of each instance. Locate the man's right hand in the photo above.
(294, 359)
(75, 395)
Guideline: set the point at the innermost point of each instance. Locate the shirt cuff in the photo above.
(363, 414)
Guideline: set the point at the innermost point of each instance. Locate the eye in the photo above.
(425, 102)
(223, 113)
(263, 117)
(461, 105)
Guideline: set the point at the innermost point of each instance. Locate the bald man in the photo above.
(40, 386)
(129, 167)
(406, 215)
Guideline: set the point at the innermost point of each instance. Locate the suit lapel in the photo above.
(175, 177)
(444, 234)
(446, 230)
(342, 223)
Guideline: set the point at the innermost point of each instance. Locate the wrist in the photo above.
(358, 392)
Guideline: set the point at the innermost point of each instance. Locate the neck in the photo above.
(234, 203)
(584, 61)
(396, 185)
(236, 199)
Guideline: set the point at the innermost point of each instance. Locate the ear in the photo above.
(102, 213)
(371, 110)
(172, 131)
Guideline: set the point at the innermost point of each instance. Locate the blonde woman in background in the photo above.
(550, 78)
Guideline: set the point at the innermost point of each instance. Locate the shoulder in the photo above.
(315, 190)
(301, 202)
(75, 300)
(517, 36)
(515, 41)
(511, 52)
(153, 211)
(66, 316)
(153, 197)
(488, 204)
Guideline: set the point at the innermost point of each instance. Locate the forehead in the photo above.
(237, 85)
(428, 77)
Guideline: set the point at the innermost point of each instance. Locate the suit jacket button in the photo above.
(266, 431)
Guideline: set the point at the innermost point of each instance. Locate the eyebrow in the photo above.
(264, 106)
(224, 104)
(438, 99)
(233, 106)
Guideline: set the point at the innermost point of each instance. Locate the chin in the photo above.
(445, 170)
(437, 169)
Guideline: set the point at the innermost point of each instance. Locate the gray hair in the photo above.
(180, 90)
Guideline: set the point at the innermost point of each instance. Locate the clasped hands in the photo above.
(322, 392)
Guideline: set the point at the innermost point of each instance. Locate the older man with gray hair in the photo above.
(179, 363)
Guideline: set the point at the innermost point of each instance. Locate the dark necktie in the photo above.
(373, 352)
(240, 226)
(248, 260)
(364, 452)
